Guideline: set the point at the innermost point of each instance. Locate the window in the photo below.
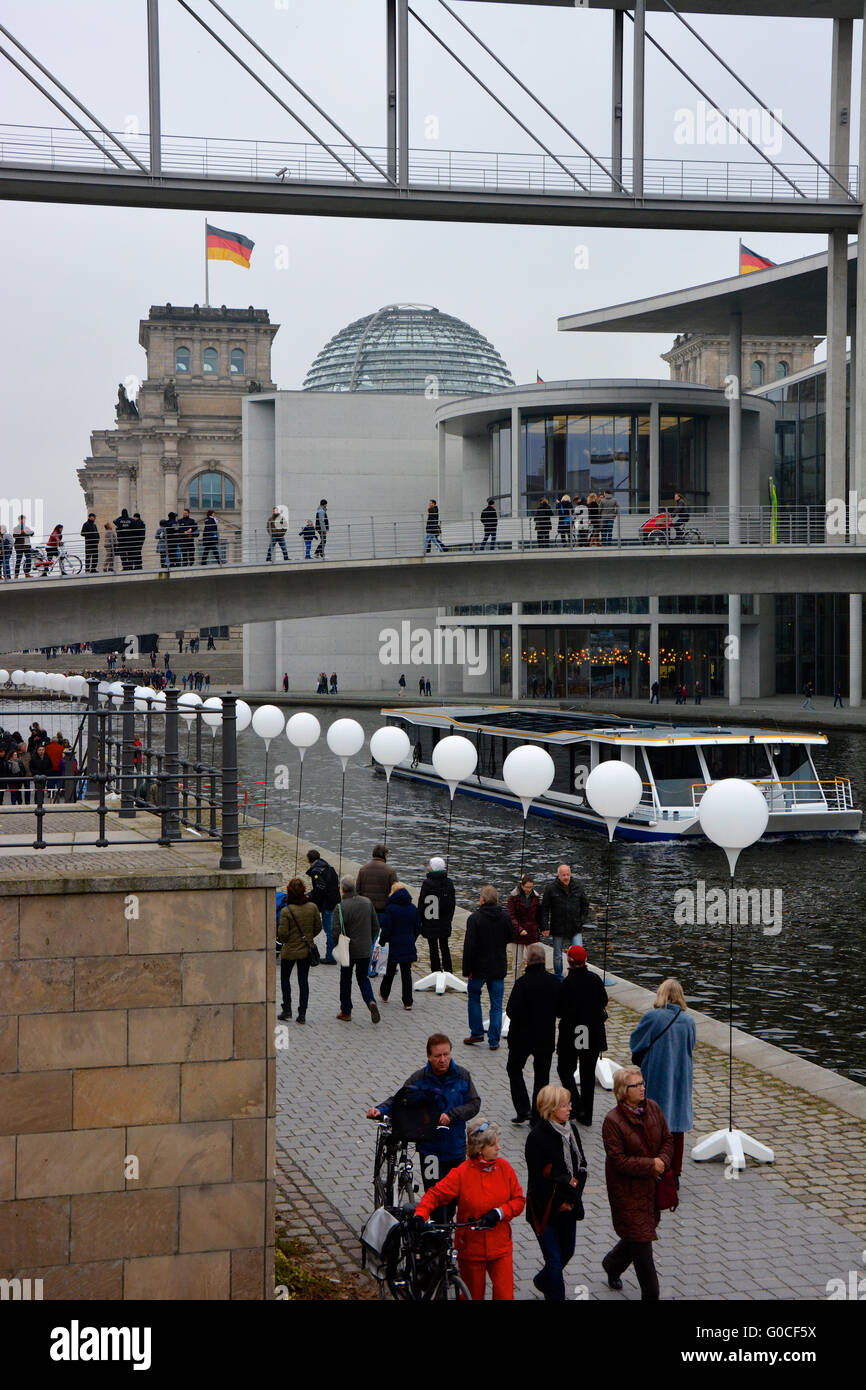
(211, 490)
(181, 359)
(238, 362)
(210, 360)
(781, 370)
(757, 373)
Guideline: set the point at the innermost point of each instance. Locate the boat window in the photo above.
(794, 765)
(747, 760)
(581, 766)
(561, 755)
(675, 770)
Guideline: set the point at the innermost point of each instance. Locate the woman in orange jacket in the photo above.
(488, 1194)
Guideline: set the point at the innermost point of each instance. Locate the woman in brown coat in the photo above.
(300, 922)
(639, 1148)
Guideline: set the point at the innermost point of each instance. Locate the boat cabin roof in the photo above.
(567, 726)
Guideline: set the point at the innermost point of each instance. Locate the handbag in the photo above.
(667, 1196)
(341, 945)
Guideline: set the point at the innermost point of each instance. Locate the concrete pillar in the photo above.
(637, 104)
(616, 98)
(403, 93)
(837, 330)
(515, 460)
(391, 90)
(855, 651)
(654, 457)
(733, 663)
(441, 441)
(516, 664)
(840, 103)
(653, 640)
(734, 391)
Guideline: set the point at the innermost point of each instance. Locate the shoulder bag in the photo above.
(314, 957)
(638, 1057)
(341, 945)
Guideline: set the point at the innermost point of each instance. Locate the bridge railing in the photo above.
(490, 171)
(124, 755)
(387, 538)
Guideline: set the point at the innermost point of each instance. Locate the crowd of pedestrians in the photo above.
(557, 1013)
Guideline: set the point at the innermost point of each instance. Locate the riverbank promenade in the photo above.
(784, 1231)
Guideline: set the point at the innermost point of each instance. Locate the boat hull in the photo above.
(781, 824)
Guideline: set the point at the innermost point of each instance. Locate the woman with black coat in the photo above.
(400, 927)
(557, 1175)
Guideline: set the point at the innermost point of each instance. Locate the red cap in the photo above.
(576, 955)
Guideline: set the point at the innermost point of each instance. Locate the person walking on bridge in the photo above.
(90, 532)
(276, 529)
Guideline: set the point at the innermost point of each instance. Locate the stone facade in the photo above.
(185, 420)
(703, 358)
(137, 1087)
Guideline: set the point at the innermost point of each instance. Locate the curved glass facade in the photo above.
(411, 349)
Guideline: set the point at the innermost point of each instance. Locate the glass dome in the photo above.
(413, 349)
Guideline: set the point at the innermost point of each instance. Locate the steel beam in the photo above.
(403, 93)
(154, 108)
(391, 86)
(616, 96)
(130, 189)
(637, 104)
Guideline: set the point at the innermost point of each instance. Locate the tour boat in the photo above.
(676, 764)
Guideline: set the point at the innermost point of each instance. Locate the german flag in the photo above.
(228, 246)
(750, 261)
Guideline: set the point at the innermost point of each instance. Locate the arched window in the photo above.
(238, 362)
(781, 370)
(181, 359)
(757, 373)
(210, 360)
(211, 490)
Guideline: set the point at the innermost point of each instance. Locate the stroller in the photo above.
(669, 528)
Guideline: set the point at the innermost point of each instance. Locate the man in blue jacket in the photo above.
(454, 1090)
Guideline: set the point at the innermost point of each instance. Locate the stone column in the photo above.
(170, 470)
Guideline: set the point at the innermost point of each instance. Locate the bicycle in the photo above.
(416, 1265)
(67, 564)
(392, 1164)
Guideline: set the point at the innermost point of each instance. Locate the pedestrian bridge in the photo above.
(41, 613)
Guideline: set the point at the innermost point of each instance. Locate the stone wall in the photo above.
(137, 1087)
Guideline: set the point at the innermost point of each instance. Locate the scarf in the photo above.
(570, 1151)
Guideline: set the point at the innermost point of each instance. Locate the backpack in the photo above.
(329, 883)
(281, 902)
(415, 1111)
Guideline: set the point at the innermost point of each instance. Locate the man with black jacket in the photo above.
(563, 912)
(187, 532)
(581, 1009)
(325, 893)
(210, 539)
(90, 532)
(436, 903)
(137, 534)
(532, 1032)
(125, 528)
(485, 962)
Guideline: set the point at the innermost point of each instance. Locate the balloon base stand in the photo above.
(504, 1026)
(733, 1145)
(604, 1072)
(441, 980)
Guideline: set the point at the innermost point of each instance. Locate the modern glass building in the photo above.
(409, 349)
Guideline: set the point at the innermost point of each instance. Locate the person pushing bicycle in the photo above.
(452, 1089)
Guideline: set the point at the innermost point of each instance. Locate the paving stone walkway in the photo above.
(777, 1232)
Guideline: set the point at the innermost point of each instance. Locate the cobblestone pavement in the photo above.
(773, 1232)
(304, 1214)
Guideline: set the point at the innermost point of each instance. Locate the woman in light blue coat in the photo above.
(663, 1045)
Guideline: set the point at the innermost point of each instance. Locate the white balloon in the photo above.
(142, 696)
(214, 717)
(102, 692)
(187, 705)
(733, 814)
(454, 758)
(158, 702)
(115, 691)
(613, 789)
(268, 721)
(30, 678)
(390, 746)
(303, 731)
(345, 738)
(17, 676)
(528, 772)
(243, 716)
(4, 677)
(78, 686)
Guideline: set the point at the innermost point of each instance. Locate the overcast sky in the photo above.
(77, 280)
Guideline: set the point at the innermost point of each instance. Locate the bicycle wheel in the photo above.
(406, 1185)
(70, 564)
(452, 1288)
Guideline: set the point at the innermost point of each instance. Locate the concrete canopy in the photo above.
(788, 299)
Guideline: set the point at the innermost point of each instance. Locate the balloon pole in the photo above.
(731, 1011)
(606, 914)
(342, 800)
(265, 812)
(523, 845)
(298, 822)
(387, 791)
(448, 839)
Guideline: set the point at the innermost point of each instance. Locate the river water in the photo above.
(801, 987)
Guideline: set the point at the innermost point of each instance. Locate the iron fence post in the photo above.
(171, 820)
(39, 801)
(127, 771)
(230, 857)
(92, 759)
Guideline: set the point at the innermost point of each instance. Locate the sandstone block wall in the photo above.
(137, 1087)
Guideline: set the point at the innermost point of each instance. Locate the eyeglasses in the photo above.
(635, 1085)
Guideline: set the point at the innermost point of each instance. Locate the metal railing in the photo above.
(791, 795)
(124, 773)
(486, 171)
(384, 538)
